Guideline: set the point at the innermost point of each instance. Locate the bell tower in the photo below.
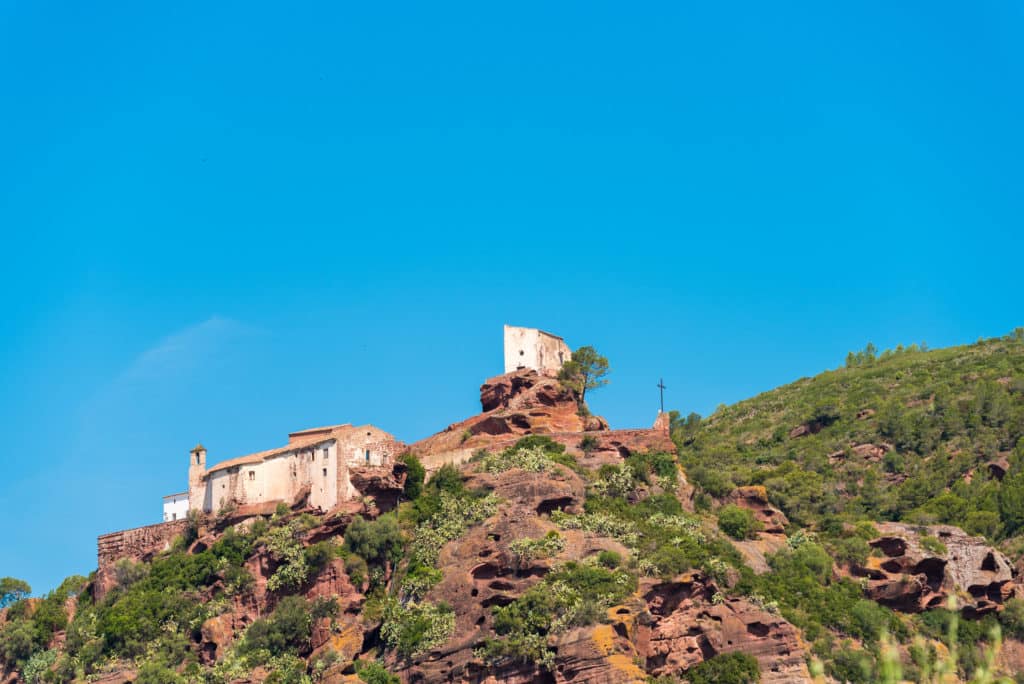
(196, 473)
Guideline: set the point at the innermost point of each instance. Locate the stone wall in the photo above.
(137, 543)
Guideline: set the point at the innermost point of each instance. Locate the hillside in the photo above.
(863, 525)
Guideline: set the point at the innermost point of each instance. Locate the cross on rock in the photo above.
(661, 391)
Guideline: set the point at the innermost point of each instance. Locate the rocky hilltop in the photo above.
(838, 529)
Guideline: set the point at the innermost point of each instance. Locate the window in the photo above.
(252, 475)
(367, 455)
(174, 516)
(197, 458)
(327, 453)
(325, 472)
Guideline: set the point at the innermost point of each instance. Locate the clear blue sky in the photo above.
(224, 221)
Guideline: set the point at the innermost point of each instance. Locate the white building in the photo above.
(315, 464)
(175, 506)
(536, 349)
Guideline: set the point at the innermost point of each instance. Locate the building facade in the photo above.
(175, 507)
(315, 464)
(536, 349)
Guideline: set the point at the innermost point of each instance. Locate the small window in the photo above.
(325, 472)
(311, 456)
(327, 453)
(174, 516)
(197, 458)
(252, 475)
(367, 455)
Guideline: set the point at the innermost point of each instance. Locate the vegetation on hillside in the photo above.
(912, 435)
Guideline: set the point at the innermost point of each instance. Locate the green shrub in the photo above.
(714, 482)
(609, 559)
(738, 522)
(414, 476)
(156, 673)
(375, 541)
(287, 629)
(727, 668)
(527, 550)
(933, 545)
(574, 594)
(285, 546)
(375, 673)
(415, 628)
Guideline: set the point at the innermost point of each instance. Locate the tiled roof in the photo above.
(317, 436)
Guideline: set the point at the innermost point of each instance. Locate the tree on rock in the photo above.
(584, 371)
(13, 590)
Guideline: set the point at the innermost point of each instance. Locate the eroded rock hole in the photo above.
(758, 629)
(891, 546)
(497, 600)
(485, 571)
(549, 505)
(934, 570)
(989, 562)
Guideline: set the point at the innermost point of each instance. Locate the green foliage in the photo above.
(378, 541)
(727, 668)
(932, 544)
(533, 453)
(414, 477)
(13, 589)
(714, 482)
(609, 559)
(586, 370)
(415, 628)
(285, 546)
(156, 673)
(574, 594)
(738, 522)
(288, 628)
(453, 517)
(527, 550)
(375, 673)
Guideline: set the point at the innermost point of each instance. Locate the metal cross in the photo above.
(661, 391)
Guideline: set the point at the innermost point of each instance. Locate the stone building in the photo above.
(315, 464)
(175, 506)
(535, 349)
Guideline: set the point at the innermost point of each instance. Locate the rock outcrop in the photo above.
(689, 625)
(919, 568)
(527, 402)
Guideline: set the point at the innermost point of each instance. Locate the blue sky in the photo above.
(224, 221)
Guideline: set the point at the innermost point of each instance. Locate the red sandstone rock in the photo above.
(527, 402)
(755, 499)
(911, 578)
(688, 626)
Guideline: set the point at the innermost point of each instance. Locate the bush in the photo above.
(375, 541)
(415, 628)
(374, 673)
(933, 545)
(727, 668)
(527, 550)
(155, 673)
(714, 482)
(287, 629)
(414, 477)
(738, 522)
(609, 559)
(574, 594)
